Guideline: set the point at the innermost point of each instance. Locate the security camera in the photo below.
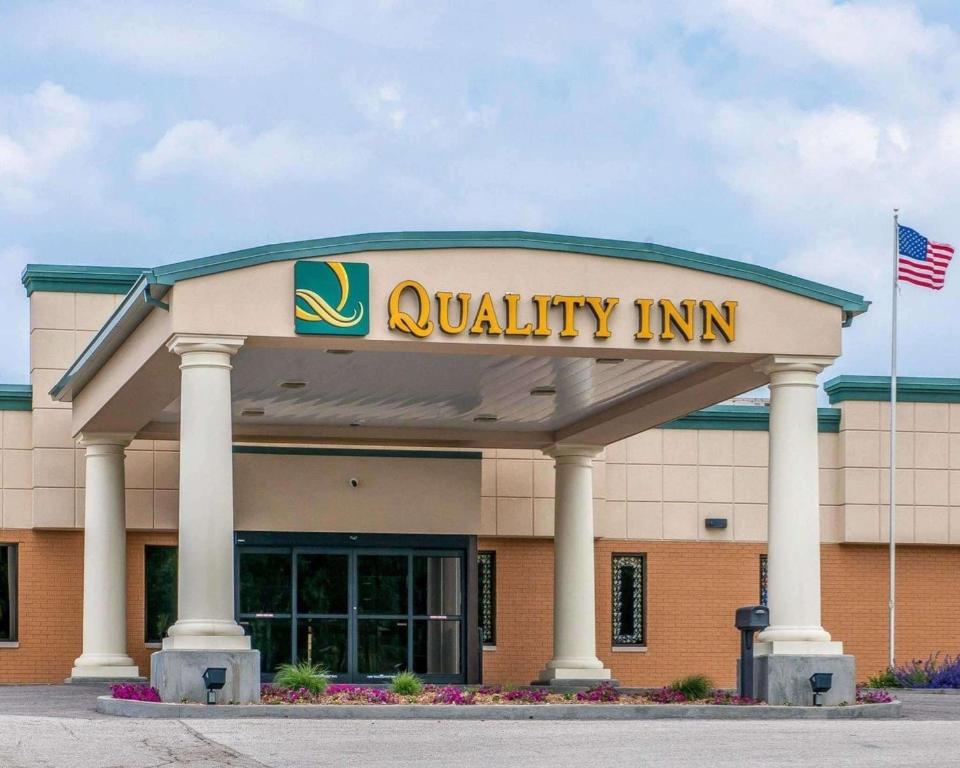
(354, 483)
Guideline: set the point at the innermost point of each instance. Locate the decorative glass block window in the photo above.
(487, 599)
(763, 579)
(160, 599)
(8, 592)
(629, 624)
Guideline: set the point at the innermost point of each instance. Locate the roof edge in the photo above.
(16, 397)
(750, 418)
(120, 279)
(910, 389)
(70, 278)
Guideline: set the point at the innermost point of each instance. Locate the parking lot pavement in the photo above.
(57, 726)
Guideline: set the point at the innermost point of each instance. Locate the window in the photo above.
(763, 579)
(8, 592)
(160, 578)
(629, 604)
(487, 598)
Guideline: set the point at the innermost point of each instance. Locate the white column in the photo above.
(104, 562)
(793, 511)
(205, 608)
(574, 608)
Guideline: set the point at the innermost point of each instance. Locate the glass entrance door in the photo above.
(362, 614)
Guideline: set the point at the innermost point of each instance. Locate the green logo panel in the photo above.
(331, 298)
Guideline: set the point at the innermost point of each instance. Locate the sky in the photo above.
(778, 132)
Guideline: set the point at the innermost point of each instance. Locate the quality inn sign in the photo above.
(332, 298)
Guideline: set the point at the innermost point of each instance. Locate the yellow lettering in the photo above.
(643, 326)
(672, 318)
(569, 304)
(422, 326)
(602, 312)
(486, 316)
(712, 318)
(443, 312)
(511, 300)
(543, 316)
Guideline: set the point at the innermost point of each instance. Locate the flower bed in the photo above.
(487, 694)
(919, 673)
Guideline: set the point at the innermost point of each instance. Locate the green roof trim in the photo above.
(66, 278)
(120, 279)
(753, 418)
(910, 389)
(851, 303)
(16, 397)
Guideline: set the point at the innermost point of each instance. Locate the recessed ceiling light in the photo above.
(609, 360)
(486, 417)
(544, 391)
(292, 384)
(252, 412)
(339, 351)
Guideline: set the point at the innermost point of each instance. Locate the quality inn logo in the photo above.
(331, 298)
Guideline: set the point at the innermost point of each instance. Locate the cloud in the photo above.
(237, 156)
(185, 38)
(44, 136)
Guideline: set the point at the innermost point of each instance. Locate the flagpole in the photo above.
(893, 445)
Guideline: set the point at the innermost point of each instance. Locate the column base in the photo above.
(785, 679)
(797, 648)
(573, 676)
(100, 675)
(105, 667)
(178, 675)
(206, 643)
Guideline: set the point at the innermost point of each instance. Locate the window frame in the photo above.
(491, 555)
(150, 641)
(13, 579)
(614, 638)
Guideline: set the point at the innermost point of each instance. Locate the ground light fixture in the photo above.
(820, 682)
(214, 678)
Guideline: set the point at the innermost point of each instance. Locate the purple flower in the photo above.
(872, 696)
(601, 692)
(526, 696)
(450, 694)
(135, 692)
(667, 696)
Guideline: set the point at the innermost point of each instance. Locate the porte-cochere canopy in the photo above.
(463, 338)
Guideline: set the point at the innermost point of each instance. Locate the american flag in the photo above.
(921, 261)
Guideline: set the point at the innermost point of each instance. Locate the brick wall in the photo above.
(50, 611)
(692, 590)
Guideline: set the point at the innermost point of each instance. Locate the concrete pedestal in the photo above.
(785, 679)
(178, 675)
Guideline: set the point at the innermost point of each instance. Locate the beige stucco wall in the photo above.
(394, 495)
(659, 484)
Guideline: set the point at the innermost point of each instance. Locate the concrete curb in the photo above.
(123, 708)
(924, 691)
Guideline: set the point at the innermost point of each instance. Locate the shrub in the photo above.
(601, 692)
(693, 687)
(135, 692)
(406, 684)
(885, 679)
(304, 675)
(931, 673)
